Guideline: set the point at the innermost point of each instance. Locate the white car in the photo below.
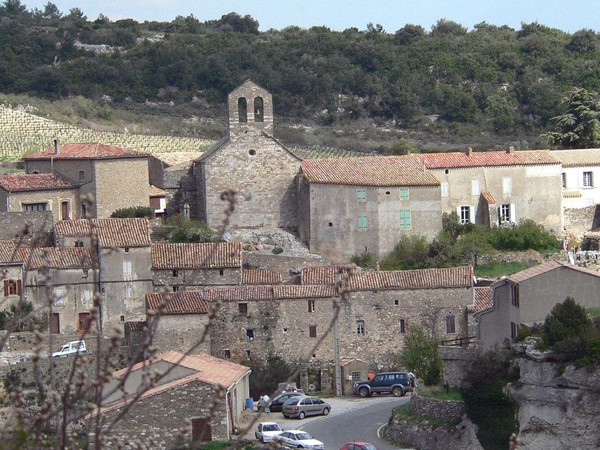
(298, 439)
(70, 348)
(266, 431)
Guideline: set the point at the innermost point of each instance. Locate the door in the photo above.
(83, 324)
(201, 430)
(55, 323)
(64, 210)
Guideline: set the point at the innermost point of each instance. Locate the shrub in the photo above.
(20, 317)
(421, 355)
(277, 250)
(409, 253)
(365, 259)
(133, 211)
(182, 229)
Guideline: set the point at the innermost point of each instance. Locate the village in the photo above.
(209, 307)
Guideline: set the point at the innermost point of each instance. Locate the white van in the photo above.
(70, 348)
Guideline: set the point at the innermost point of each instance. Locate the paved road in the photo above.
(351, 418)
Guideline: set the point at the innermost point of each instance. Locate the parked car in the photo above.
(301, 407)
(70, 348)
(298, 439)
(398, 383)
(266, 431)
(278, 401)
(358, 446)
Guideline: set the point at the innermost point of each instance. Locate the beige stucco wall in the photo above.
(494, 327)
(332, 222)
(182, 333)
(15, 201)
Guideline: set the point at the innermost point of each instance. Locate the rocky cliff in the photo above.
(558, 408)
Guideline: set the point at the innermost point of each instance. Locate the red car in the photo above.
(358, 446)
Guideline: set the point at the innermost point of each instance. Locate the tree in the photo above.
(579, 126)
(402, 147)
(567, 320)
(421, 355)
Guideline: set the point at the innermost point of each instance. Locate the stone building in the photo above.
(353, 205)
(124, 256)
(198, 397)
(62, 283)
(190, 265)
(527, 297)
(250, 167)
(107, 178)
(499, 187)
(11, 270)
(39, 192)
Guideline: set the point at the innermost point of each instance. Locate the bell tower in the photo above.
(250, 111)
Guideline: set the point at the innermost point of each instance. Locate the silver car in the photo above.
(298, 439)
(301, 407)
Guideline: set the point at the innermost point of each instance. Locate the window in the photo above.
(564, 180)
(242, 110)
(248, 354)
(252, 152)
(360, 327)
(403, 193)
(505, 214)
(81, 175)
(175, 272)
(78, 243)
(312, 331)
(243, 308)
(127, 291)
(175, 288)
(311, 306)
(226, 353)
(587, 179)
(405, 219)
(515, 295)
(464, 214)
(35, 206)
(355, 377)
(83, 211)
(474, 187)
(361, 195)
(59, 295)
(402, 325)
(65, 210)
(12, 287)
(249, 334)
(221, 272)
(362, 223)
(506, 185)
(258, 109)
(396, 302)
(513, 330)
(127, 270)
(445, 190)
(86, 297)
(450, 325)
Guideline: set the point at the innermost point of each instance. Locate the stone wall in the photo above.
(578, 221)
(440, 409)
(39, 226)
(192, 279)
(456, 362)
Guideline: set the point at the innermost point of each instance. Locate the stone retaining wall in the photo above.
(440, 409)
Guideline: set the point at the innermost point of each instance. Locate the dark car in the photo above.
(280, 399)
(397, 383)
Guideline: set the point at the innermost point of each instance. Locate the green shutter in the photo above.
(361, 195)
(403, 193)
(362, 222)
(405, 219)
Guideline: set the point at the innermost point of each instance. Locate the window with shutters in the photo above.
(450, 324)
(127, 272)
(475, 187)
(445, 189)
(465, 214)
(312, 331)
(362, 223)
(405, 219)
(403, 193)
(505, 213)
(360, 327)
(311, 306)
(361, 195)
(506, 185)
(588, 181)
(12, 287)
(564, 180)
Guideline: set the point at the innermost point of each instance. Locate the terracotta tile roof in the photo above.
(156, 191)
(578, 158)
(486, 159)
(192, 255)
(261, 276)
(182, 302)
(572, 194)
(412, 279)
(86, 150)
(482, 299)
(135, 325)
(368, 171)
(56, 258)
(34, 182)
(321, 274)
(175, 158)
(238, 293)
(488, 197)
(8, 251)
(534, 271)
(131, 232)
(204, 368)
(304, 291)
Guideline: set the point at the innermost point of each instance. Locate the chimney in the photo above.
(469, 151)
(511, 149)
(56, 146)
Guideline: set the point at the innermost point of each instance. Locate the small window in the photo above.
(221, 272)
(515, 295)
(506, 185)
(475, 187)
(388, 193)
(35, 206)
(513, 330)
(247, 353)
(312, 331)
(330, 224)
(243, 308)
(252, 152)
(362, 223)
(126, 249)
(226, 353)
(361, 195)
(258, 110)
(78, 243)
(175, 288)
(12, 287)
(360, 327)
(403, 193)
(175, 272)
(242, 110)
(249, 334)
(311, 306)
(445, 190)
(588, 181)
(122, 318)
(405, 219)
(396, 302)
(356, 376)
(402, 326)
(450, 324)
(81, 175)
